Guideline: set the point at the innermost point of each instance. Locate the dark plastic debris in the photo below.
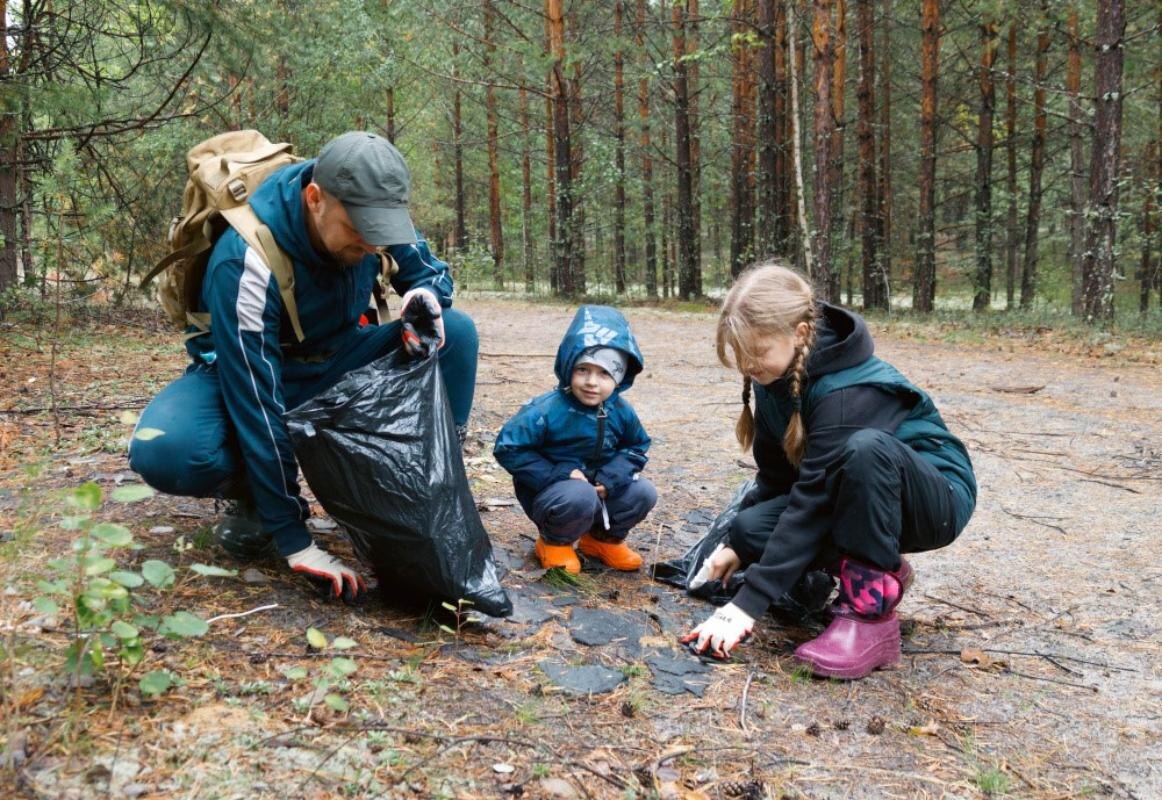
(379, 449)
(809, 596)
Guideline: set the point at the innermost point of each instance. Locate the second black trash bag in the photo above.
(809, 595)
(379, 449)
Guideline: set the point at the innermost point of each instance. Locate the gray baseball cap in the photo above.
(367, 174)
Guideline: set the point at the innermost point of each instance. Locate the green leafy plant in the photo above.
(100, 595)
(460, 614)
(331, 675)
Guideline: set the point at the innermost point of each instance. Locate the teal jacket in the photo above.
(847, 389)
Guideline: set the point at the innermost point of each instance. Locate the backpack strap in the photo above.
(198, 245)
(243, 219)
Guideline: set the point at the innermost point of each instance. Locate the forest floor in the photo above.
(1033, 645)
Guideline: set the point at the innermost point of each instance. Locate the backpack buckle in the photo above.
(237, 189)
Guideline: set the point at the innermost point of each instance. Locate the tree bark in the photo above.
(766, 239)
(796, 140)
(692, 93)
(823, 275)
(885, 177)
(873, 284)
(551, 167)
(1011, 230)
(689, 285)
(742, 143)
(619, 135)
(1076, 162)
(924, 285)
(837, 242)
(982, 299)
(526, 179)
(647, 164)
(1147, 268)
(495, 223)
(389, 102)
(1036, 168)
(577, 156)
(564, 252)
(458, 155)
(1101, 213)
(9, 150)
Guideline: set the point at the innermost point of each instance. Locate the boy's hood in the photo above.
(597, 326)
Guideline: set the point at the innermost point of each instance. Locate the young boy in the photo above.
(576, 453)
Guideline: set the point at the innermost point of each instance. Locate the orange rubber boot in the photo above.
(612, 554)
(558, 555)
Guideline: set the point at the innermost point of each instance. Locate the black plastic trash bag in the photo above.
(809, 596)
(379, 450)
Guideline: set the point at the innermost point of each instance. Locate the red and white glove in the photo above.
(428, 317)
(721, 633)
(333, 576)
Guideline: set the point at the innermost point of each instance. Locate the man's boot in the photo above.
(240, 533)
(864, 633)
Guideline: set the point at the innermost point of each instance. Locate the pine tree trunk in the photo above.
(651, 254)
(1036, 169)
(1101, 213)
(823, 274)
(1076, 163)
(1011, 229)
(495, 223)
(526, 179)
(9, 166)
(688, 287)
(458, 156)
(389, 103)
(1147, 269)
(619, 134)
(885, 192)
(551, 167)
(784, 225)
(924, 284)
(837, 241)
(796, 139)
(577, 160)
(982, 299)
(742, 144)
(874, 294)
(566, 235)
(767, 241)
(692, 94)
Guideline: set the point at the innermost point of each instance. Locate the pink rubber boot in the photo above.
(864, 634)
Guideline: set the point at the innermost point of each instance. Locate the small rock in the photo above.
(556, 787)
(135, 790)
(503, 769)
(252, 575)
(161, 529)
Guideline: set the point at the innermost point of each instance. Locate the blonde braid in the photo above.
(795, 439)
(744, 428)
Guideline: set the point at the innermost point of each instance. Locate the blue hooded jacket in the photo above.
(252, 344)
(554, 434)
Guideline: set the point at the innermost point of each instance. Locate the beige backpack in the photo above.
(225, 170)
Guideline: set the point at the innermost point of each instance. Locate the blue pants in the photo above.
(199, 455)
(566, 510)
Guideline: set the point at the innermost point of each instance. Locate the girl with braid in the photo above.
(855, 467)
